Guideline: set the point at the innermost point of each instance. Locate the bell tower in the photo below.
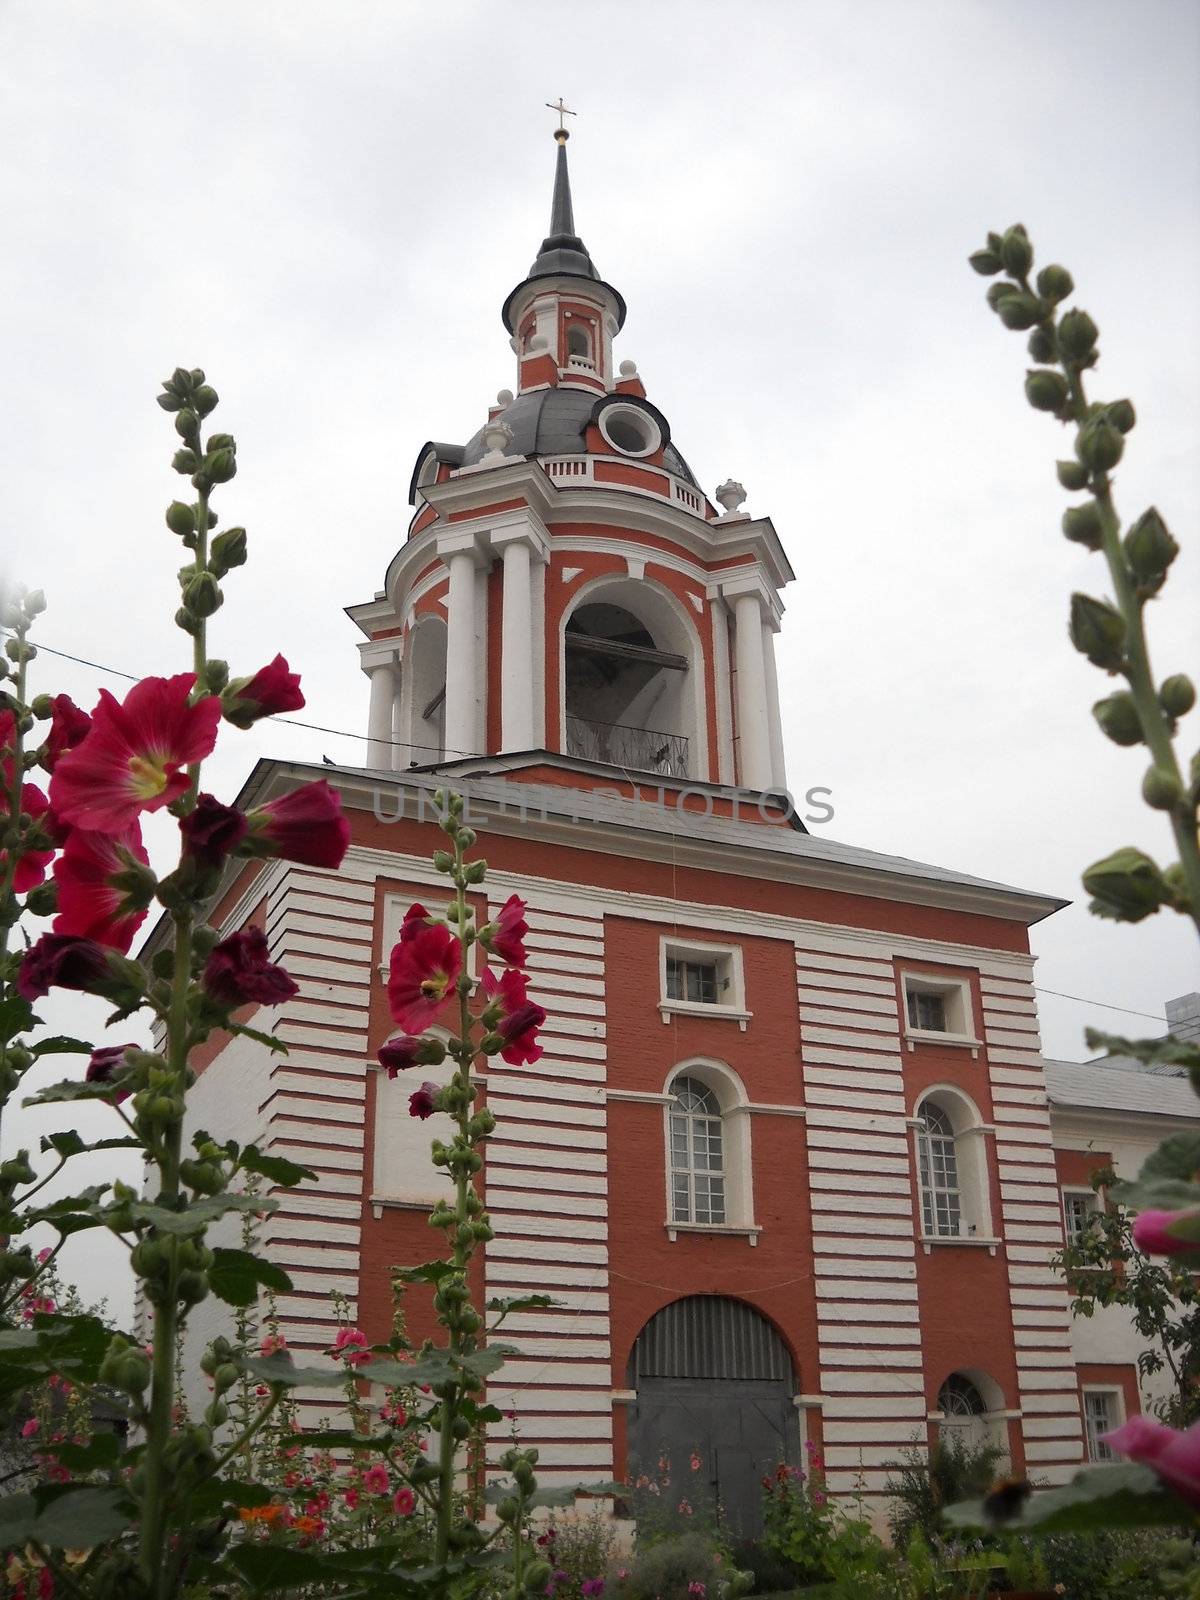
(567, 595)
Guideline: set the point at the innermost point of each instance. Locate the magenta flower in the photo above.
(104, 1063)
(410, 1050)
(505, 936)
(424, 970)
(404, 1502)
(513, 1016)
(211, 830)
(1152, 1233)
(592, 1588)
(351, 1345)
(423, 1101)
(69, 726)
(93, 902)
(61, 961)
(375, 1479)
(273, 689)
(306, 826)
(30, 1428)
(1174, 1456)
(135, 754)
(238, 972)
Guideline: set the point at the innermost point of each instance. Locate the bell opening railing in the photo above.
(641, 749)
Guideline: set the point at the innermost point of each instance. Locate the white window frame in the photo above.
(707, 1123)
(955, 994)
(731, 979)
(644, 421)
(1090, 1436)
(736, 1158)
(1089, 1195)
(973, 1163)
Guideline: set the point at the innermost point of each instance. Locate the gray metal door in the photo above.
(714, 1411)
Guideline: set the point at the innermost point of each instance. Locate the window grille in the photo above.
(696, 1154)
(941, 1197)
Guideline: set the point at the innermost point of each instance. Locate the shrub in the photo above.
(923, 1486)
(687, 1566)
(581, 1550)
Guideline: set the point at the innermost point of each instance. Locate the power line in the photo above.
(344, 733)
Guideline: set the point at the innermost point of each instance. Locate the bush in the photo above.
(581, 1549)
(925, 1484)
(685, 1567)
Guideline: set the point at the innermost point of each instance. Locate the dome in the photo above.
(553, 422)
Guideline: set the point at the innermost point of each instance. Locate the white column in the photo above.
(754, 740)
(774, 720)
(379, 716)
(461, 732)
(723, 686)
(516, 675)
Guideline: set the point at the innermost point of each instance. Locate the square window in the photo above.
(1080, 1208)
(694, 981)
(696, 977)
(1102, 1411)
(926, 1011)
(935, 1005)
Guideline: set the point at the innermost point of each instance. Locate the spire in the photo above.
(562, 253)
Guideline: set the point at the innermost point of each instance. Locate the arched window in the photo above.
(421, 719)
(402, 1169)
(579, 342)
(972, 1406)
(697, 1154)
(941, 1200)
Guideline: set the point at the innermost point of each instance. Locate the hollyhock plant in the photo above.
(104, 886)
(404, 1502)
(407, 1050)
(1173, 1455)
(305, 826)
(134, 756)
(272, 690)
(351, 1345)
(212, 831)
(514, 1018)
(504, 937)
(375, 1479)
(422, 1102)
(61, 961)
(32, 865)
(424, 970)
(69, 726)
(239, 972)
(105, 1063)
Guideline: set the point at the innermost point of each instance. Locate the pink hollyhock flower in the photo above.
(306, 826)
(513, 1016)
(104, 1063)
(1152, 1233)
(424, 969)
(61, 961)
(238, 972)
(272, 689)
(695, 1462)
(351, 1345)
(505, 936)
(697, 1588)
(134, 756)
(69, 726)
(273, 1344)
(423, 1101)
(375, 1479)
(404, 1502)
(31, 868)
(409, 1050)
(211, 830)
(592, 1588)
(1174, 1456)
(96, 877)
(30, 1428)
(350, 1496)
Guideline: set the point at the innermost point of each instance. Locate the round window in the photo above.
(630, 431)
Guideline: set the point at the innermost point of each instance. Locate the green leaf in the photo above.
(69, 1089)
(273, 1044)
(1159, 1194)
(197, 1216)
(16, 1016)
(435, 1366)
(281, 1369)
(277, 1168)
(429, 1272)
(16, 1342)
(1165, 1050)
(210, 1498)
(71, 1517)
(522, 1302)
(235, 1276)
(68, 1143)
(75, 1345)
(1177, 1157)
(59, 1044)
(1118, 1496)
(101, 1450)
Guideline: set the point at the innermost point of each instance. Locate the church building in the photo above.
(786, 1165)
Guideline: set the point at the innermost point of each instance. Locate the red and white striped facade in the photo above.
(820, 1074)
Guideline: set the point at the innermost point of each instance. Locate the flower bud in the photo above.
(1081, 524)
(169, 400)
(181, 519)
(185, 462)
(35, 602)
(1121, 414)
(1016, 252)
(986, 262)
(220, 466)
(1118, 717)
(1045, 389)
(181, 381)
(1097, 631)
(205, 399)
(1126, 886)
(202, 595)
(1054, 283)
(1077, 335)
(42, 900)
(1177, 695)
(221, 441)
(1161, 789)
(186, 423)
(228, 550)
(1150, 550)
(1041, 344)
(1019, 311)
(999, 292)
(1072, 475)
(1099, 446)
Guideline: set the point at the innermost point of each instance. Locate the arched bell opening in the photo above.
(422, 708)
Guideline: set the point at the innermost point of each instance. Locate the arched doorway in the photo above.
(713, 1383)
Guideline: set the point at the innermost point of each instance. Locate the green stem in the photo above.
(248, 1433)
(16, 779)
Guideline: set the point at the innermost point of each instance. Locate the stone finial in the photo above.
(504, 397)
(496, 436)
(730, 496)
(628, 369)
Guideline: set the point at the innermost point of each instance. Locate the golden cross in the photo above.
(563, 111)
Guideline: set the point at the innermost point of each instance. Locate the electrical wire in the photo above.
(345, 733)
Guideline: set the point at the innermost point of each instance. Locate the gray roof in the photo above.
(1088, 1086)
(552, 422)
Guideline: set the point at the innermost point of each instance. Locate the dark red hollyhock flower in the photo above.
(238, 972)
(31, 868)
(273, 689)
(305, 826)
(424, 969)
(423, 1101)
(91, 904)
(505, 935)
(69, 726)
(104, 1063)
(211, 830)
(415, 918)
(519, 1017)
(135, 754)
(60, 961)
(405, 1051)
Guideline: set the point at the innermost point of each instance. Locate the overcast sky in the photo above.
(326, 206)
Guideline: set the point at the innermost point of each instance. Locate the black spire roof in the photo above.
(563, 253)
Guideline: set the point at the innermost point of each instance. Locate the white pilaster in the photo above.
(516, 680)
(754, 738)
(723, 686)
(462, 720)
(774, 719)
(380, 661)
